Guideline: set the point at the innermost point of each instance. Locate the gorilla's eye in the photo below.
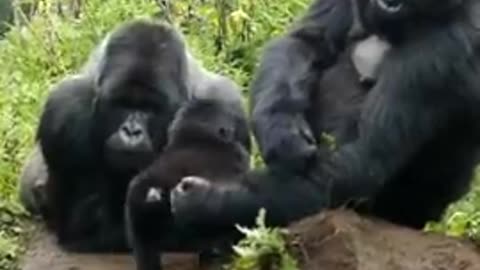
(390, 6)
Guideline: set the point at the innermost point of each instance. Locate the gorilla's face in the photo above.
(205, 120)
(132, 124)
(392, 17)
(137, 96)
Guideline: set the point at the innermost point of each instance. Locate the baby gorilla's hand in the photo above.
(193, 200)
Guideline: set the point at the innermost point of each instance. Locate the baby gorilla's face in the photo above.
(203, 120)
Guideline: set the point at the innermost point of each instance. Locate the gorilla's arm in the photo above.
(284, 80)
(64, 138)
(207, 207)
(65, 124)
(64, 134)
(417, 97)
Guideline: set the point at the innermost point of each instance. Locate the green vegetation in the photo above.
(262, 246)
(227, 35)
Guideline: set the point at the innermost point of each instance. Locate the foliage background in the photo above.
(50, 39)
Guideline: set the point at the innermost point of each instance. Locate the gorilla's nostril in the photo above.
(223, 132)
(132, 130)
(186, 186)
(136, 132)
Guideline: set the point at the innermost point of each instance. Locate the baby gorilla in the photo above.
(205, 143)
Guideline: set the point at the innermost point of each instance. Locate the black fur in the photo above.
(101, 127)
(206, 140)
(89, 167)
(406, 148)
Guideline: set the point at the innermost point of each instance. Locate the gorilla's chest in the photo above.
(341, 90)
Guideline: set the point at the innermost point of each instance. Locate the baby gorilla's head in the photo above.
(203, 121)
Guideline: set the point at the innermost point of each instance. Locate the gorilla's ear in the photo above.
(226, 134)
(94, 104)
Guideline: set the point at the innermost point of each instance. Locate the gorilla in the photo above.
(207, 141)
(406, 143)
(101, 127)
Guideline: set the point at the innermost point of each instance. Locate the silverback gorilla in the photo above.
(101, 127)
(406, 145)
(206, 141)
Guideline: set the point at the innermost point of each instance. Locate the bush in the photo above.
(262, 246)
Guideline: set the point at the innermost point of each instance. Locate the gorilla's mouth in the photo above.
(128, 160)
(390, 6)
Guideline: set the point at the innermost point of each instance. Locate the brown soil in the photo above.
(43, 254)
(337, 240)
(341, 240)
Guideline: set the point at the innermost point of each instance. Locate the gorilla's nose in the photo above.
(132, 129)
(132, 134)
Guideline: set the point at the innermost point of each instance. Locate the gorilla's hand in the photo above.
(286, 142)
(193, 200)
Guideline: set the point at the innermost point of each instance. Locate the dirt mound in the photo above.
(342, 240)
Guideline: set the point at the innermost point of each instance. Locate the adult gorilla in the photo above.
(101, 127)
(406, 148)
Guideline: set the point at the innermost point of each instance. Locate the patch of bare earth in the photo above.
(44, 254)
(336, 240)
